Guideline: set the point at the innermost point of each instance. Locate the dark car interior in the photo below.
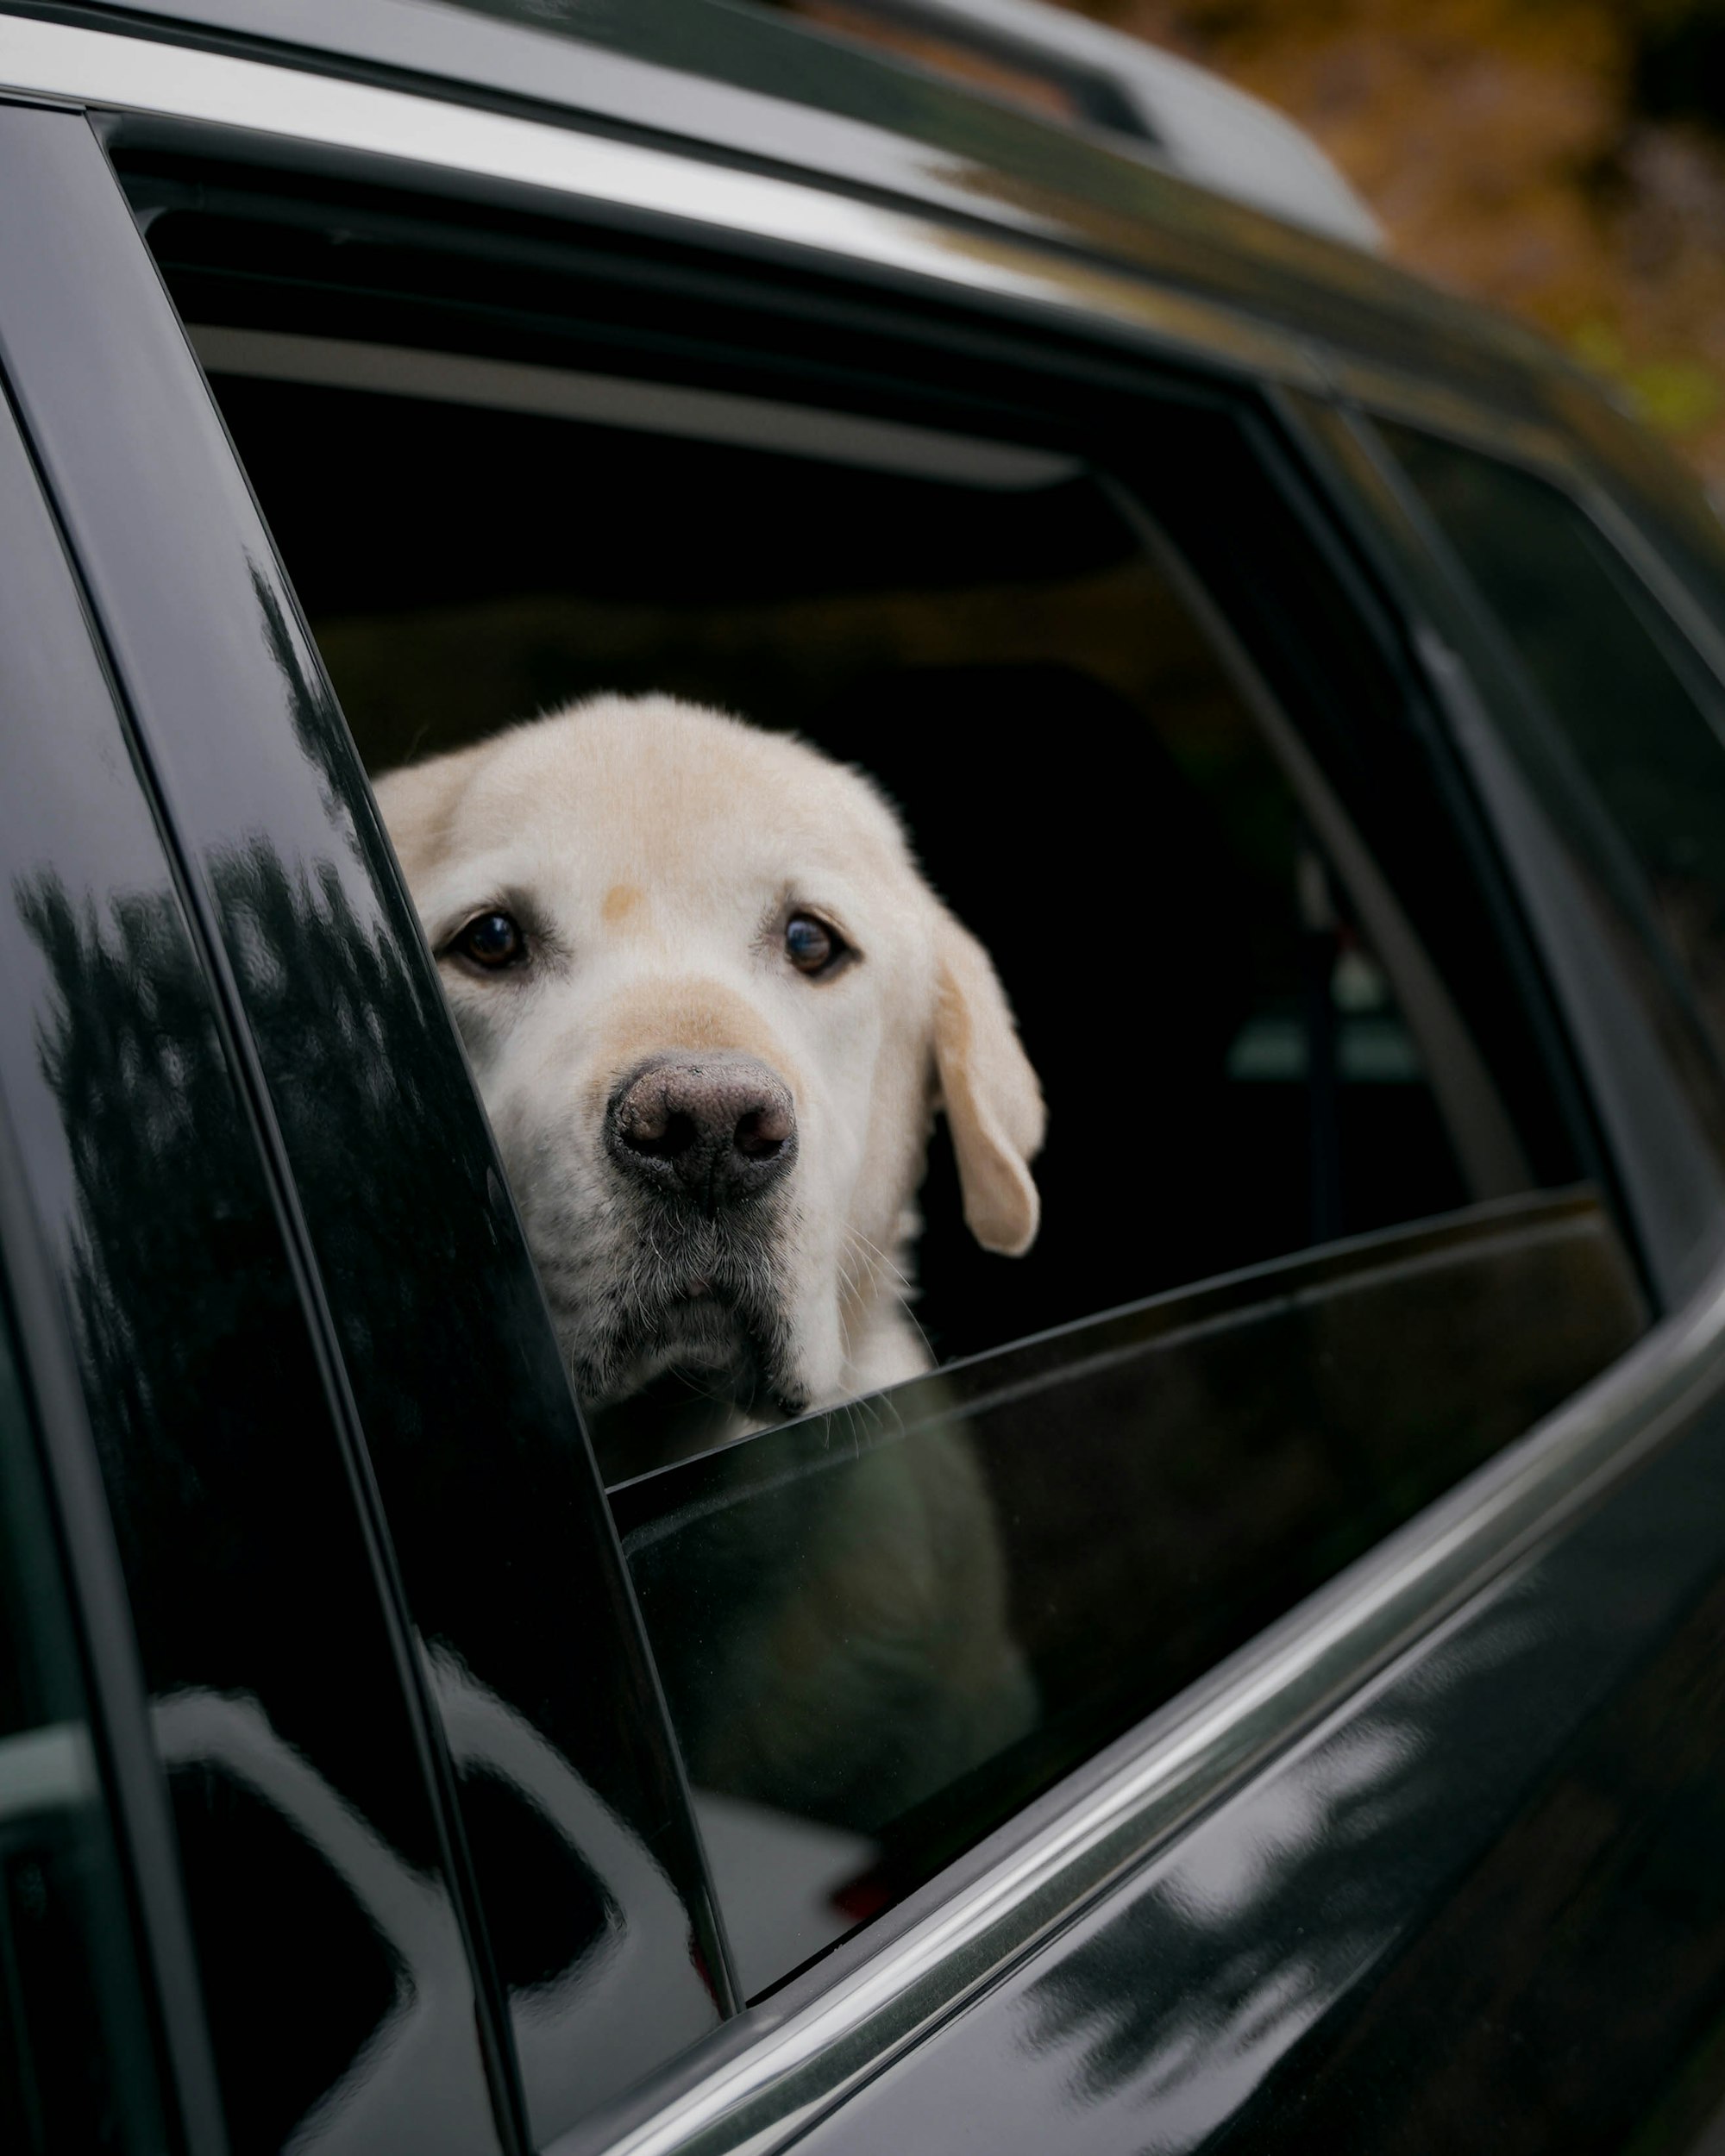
(1082, 782)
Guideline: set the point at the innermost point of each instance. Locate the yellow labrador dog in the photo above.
(713, 1006)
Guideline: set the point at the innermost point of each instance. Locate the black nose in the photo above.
(718, 1129)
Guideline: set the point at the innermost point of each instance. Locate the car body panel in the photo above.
(205, 1396)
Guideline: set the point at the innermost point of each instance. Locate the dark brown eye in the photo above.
(492, 940)
(811, 946)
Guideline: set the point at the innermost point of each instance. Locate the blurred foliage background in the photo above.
(1562, 158)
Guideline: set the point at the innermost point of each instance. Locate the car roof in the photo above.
(749, 87)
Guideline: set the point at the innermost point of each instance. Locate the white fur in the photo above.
(651, 850)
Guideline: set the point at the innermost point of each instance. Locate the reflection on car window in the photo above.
(884, 1629)
(77, 2071)
(1633, 770)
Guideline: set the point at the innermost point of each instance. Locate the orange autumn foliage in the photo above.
(1504, 145)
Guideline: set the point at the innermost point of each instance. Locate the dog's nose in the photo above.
(716, 1129)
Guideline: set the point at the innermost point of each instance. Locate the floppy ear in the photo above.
(992, 1103)
(416, 802)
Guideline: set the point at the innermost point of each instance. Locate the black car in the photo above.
(1314, 693)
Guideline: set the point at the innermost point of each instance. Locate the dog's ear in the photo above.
(416, 802)
(992, 1103)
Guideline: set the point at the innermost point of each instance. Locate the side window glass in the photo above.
(882, 1630)
(1627, 753)
(77, 2068)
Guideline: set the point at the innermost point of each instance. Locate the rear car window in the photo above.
(1315, 1240)
(1622, 739)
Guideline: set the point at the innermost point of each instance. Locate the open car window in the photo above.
(1315, 1236)
(1614, 759)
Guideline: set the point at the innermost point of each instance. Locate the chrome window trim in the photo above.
(424, 140)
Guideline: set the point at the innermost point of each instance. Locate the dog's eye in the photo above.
(492, 940)
(811, 946)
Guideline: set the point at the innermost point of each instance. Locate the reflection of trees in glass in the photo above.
(213, 1423)
(1184, 2003)
(167, 1262)
(310, 703)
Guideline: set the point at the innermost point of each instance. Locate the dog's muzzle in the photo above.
(715, 1132)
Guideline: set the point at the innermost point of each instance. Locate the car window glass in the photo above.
(989, 656)
(1628, 750)
(883, 1629)
(77, 2069)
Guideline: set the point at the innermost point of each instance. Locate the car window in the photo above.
(76, 2065)
(1315, 1239)
(931, 632)
(1626, 747)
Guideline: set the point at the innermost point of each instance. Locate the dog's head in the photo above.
(711, 1004)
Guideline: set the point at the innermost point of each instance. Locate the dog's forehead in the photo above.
(667, 795)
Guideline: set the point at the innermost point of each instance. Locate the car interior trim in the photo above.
(1491, 1155)
(290, 109)
(605, 400)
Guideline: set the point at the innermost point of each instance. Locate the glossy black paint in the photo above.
(511, 1569)
(263, 1641)
(79, 2062)
(1484, 1907)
